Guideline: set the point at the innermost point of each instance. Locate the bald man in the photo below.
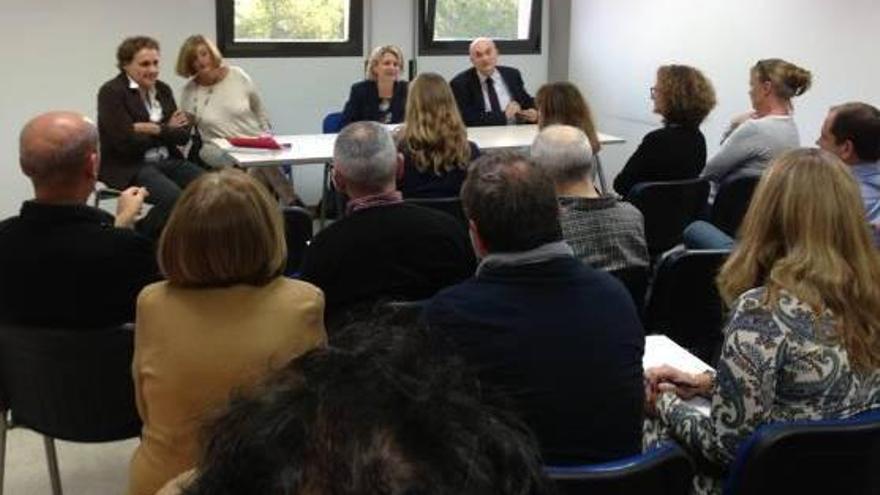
(491, 94)
(65, 264)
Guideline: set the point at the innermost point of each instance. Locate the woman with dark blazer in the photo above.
(380, 97)
(141, 127)
(676, 151)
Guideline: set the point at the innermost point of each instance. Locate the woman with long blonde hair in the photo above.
(433, 141)
(803, 341)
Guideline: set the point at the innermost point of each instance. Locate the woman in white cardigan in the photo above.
(222, 102)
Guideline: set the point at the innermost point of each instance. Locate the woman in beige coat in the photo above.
(222, 320)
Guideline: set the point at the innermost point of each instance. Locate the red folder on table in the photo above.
(262, 142)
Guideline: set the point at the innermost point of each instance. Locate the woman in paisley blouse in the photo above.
(803, 341)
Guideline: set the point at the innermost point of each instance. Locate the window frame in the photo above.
(354, 47)
(427, 10)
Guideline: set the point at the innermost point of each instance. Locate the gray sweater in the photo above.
(752, 145)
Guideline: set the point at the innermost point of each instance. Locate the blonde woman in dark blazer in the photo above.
(223, 319)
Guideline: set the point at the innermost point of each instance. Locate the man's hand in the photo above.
(128, 206)
(148, 128)
(178, 119)
(530, 115)
(512, 109)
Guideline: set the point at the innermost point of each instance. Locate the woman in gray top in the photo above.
(755, 138)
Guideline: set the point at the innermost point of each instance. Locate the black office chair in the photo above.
(668, 207)
(635, 279)
(841, 457)
(72, 385)
(451, 206)
(662, 470)
(298, 231)
(732, 201)
(683, 302)
(332, 202)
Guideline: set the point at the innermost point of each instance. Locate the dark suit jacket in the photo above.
(363, 102)
(469, 96)
(122, 150)
(668, 153)
(67, 266)
(564, 342)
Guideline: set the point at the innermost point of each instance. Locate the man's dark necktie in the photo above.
(493, 96)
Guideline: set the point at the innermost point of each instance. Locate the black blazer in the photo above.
(668, 153)
(469, 96)
(122, 150)
(363, 102)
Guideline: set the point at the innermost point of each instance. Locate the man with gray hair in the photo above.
(383, 247)
(65, 264)
(604, 233)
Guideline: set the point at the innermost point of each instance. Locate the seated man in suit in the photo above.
(65, 264)
(605, 233)
(383, 248)
(561, 339)
(491, 94)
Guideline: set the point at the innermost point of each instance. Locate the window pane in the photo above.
(468, 19)
(291, 20)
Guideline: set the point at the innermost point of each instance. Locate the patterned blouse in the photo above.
(778, 363)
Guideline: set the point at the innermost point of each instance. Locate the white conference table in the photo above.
(301, 149)
(304, 149)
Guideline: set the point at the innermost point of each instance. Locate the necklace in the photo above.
(204, 93)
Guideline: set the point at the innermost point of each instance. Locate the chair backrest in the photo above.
(70, 384)
(732, 202)
(684, 303)
(332, 123)
(450, 205)
(635, 278)
(841, 457)
(298, 231)
(668, 207)
(662, 470)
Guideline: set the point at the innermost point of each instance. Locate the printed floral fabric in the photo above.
(779, 362)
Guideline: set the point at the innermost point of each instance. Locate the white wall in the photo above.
(56, 53)
(616, 46)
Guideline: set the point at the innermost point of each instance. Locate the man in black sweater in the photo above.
(561, 339)
(383, 248)
(64, 264)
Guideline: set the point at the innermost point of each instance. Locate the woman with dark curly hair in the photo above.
(683, 96)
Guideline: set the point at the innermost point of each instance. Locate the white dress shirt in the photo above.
(500, 89)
